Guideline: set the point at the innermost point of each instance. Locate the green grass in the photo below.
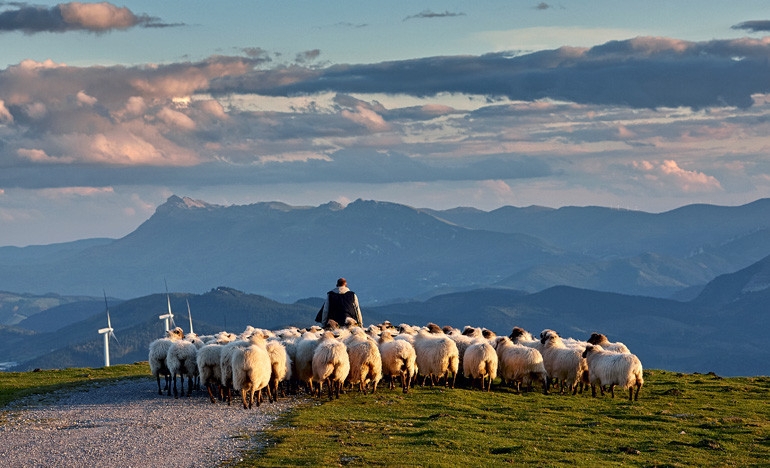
(14, 385)
(680, 420)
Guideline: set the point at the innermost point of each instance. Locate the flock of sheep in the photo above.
(336, 357)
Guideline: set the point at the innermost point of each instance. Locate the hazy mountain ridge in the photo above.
(390, 251)
(724, 334)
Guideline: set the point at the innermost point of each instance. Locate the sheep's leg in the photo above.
(593, 390)
(209, 386)
(269, 395)
(638, 387)
(612, 390)
(160, 392)
(189, 385)
(176, 394)
(167, 378)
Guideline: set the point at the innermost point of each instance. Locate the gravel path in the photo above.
(127, 424)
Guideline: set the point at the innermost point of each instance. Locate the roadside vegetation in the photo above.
(14, 385)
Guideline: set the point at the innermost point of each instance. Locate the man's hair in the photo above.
(341, 282)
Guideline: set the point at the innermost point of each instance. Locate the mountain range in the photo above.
(392, 252)
(685, 289)
(722, 330)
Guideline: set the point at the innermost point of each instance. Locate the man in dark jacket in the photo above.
(340, 304)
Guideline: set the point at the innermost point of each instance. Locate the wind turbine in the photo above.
(169, 317)
(189, 315)
(107, 332)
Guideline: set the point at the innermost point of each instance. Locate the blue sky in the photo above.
(107, 109)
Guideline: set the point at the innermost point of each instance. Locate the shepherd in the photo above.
(340, 304)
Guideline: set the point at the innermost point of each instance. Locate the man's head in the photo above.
(341, 282)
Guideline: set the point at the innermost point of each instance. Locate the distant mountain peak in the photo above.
(175, 202)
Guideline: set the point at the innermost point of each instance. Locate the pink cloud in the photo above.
(669, 173)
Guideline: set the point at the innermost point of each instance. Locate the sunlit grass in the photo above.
(680, 420)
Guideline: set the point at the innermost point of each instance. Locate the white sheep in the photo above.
(519, 364)
(289, 339)
(209, 369)
(480, 362)
(523, 337)
(330, 364)
(437, 355)
(607, 345)
(251, 370)
(463, 339)
(563, 362)
(226, 367)
(303, 363)
(182, 361)
(280, 366)
(365, 360)
(157, 357)
(610, 368)
(398, 360)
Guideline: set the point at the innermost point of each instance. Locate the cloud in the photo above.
(644, 72)
(754, 26)
(5, 115)
(74, 16)
(39, 156)
(669, 173)
(432, 14)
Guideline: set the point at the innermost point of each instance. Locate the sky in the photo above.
(107, 109)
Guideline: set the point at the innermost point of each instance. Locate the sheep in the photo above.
(209, 368)
(289, 339)
(157, 357)
(519, 364)
(480, 362)
(330, 364)
(601, 340)
(463, 340)
(609, 368)
(226, 367)
(562, 362)
(437, 355)
(306, 346)
(398, 360)
(523, 337)
(251, 370)
(280, 367)
(365, 360)
(571, 343)
(181, 361)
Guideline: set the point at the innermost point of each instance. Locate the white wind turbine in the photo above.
(169, 317)
(107, 332)
(189, 315)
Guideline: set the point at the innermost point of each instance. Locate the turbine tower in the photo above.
(169, 317)
(107, 332)
(189, 315)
